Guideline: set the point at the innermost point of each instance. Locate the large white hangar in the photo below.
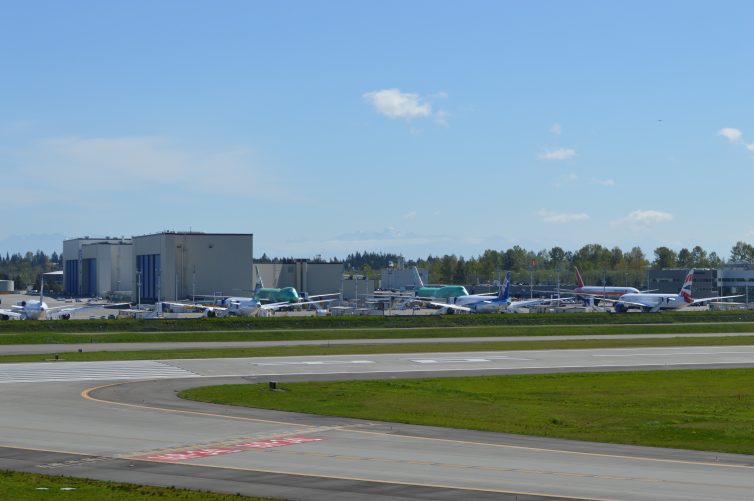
(178, 265)
(97, 266)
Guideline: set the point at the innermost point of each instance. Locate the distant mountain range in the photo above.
(47, 243)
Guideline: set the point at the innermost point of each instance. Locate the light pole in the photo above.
(138, 290)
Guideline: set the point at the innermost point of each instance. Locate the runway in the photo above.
(140, 432)
(39, 349)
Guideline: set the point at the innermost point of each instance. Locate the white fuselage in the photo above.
(594, 290)
(651, 301)
(242, 306)
(32, 310)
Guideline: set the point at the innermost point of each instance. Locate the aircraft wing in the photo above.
(706, 299)
(11, 314)
(276, 306)
(456, 307)
(324, 295)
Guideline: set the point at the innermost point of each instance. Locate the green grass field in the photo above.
(373, 333)
(280, 351)
(18, 486)
(364, 322)
(706, 409)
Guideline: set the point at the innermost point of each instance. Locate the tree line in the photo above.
(26, 270)
(598, 264)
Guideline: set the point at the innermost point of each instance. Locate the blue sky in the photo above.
(408, 127)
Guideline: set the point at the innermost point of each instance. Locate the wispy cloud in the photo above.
(731, 134)
(561, 217)
(396, 104)
(556, 129)
(559, 154)
(409, 215)
(750, 147)
(604, 182)
(124, 164)
(643, 219)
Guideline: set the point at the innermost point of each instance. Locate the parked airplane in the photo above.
(596, 290)
(37, 309)
(653, 302)
(478, 303)
(279, 295)
(438, 292)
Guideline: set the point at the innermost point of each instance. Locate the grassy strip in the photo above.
(705, 410)
(19, 486)
(280, 351)
(376, 333)
(359, 322)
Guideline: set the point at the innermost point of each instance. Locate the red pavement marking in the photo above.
(217, 451)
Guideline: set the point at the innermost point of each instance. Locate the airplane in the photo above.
(37, 309)
(480, 303)
(439, 292)
(596, 290)
(653, 302)
(279, 295)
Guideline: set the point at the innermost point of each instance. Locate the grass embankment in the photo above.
(706, 410)
(361, 322)
(282, 351)
(117, 336)
(18, 486)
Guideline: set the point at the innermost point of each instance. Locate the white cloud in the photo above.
(733, 135)
(396, 104)
(409, 215)
(559, 154)
(750, 147)
(561, 217)
(556, 129)
(642, 219)
(604, 182)
(126, 164)
(441, 117)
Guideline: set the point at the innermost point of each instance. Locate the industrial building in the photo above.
(179, 265)
(670, 281)
(97, 266)
(401, 279)
(737, 278)
(304, 276)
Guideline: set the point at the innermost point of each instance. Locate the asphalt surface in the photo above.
(138, 431)
(38, 349)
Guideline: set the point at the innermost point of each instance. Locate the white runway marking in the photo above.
(85, 371)
(462, 360)
(690, 353)
(319, 362)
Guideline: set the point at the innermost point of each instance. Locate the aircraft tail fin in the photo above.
(418, 278)
(686, 289)
(505, 288)
(579, 281)
(259, 283)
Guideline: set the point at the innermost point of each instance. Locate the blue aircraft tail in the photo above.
(505, 288)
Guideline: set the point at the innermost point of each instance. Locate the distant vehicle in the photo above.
(649, 302)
